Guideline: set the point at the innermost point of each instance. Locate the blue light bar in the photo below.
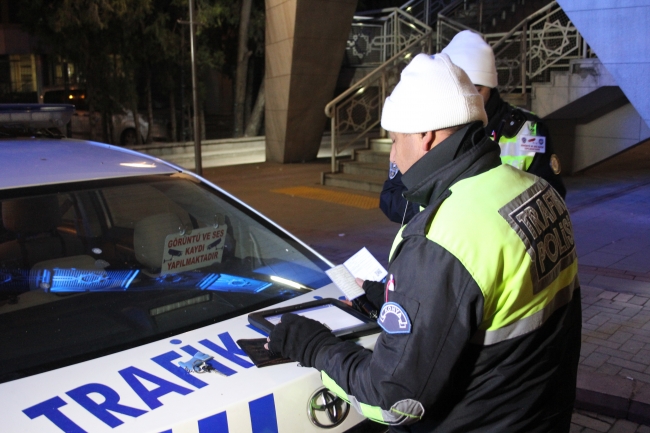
(35, 115)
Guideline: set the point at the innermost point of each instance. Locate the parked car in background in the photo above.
(117, 269)
(123, 123)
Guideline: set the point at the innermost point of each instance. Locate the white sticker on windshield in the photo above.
(200, 248)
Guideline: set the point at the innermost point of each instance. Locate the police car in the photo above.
(125, 284)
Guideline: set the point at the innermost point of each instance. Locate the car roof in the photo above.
(41, 161)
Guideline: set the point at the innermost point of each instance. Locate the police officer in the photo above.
(480, 314)
(523, 138)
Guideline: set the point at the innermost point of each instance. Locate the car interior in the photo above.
(86, 260)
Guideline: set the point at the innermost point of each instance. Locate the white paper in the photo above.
(365, 266)
(361, 265)
(344, 280)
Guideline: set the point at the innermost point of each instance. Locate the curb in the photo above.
(613, 396)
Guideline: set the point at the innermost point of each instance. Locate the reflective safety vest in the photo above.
(517, 244)
(512, 233)
(520, 150)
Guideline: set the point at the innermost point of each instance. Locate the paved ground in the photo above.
(610, 210)
(590, 422)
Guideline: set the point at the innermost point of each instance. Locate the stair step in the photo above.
(381, 144)
(364, 168)
(352, 181)
(373, 157)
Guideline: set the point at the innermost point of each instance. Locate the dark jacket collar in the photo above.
(493, 103)
(472, 153)
(495, 109)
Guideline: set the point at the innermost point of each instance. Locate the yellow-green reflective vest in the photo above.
(516, 242)
(512, 233)
(516, 153)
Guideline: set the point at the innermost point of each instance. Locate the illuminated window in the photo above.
(23, 72)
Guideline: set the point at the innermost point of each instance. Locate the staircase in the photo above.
(531, 39)
(382, 42)
(366, 170)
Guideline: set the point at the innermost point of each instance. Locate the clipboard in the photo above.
(344, 321)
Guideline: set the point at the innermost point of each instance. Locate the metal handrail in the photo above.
(457, 24)
(522, 23)
(534, 55)
(420, 12)
(450, 7)
(412, 18)
(359, 87)
(390, 23)
(453, 23)
(383, 12)
(368, 78)
(531, 40)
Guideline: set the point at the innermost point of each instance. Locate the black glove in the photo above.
(300, 338)
(374, 292)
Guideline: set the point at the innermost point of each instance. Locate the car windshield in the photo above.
(91, 268)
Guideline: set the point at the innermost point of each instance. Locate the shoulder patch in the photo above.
(393, 319)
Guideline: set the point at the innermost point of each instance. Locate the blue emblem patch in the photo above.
(392, 170)
(393, 319)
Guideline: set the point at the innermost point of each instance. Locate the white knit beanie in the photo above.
(432, 94)
(469, 51)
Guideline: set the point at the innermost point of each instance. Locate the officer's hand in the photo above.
(300, 338)
(374, 292)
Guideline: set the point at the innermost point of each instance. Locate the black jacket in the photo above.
(399, 210)
(525, 384)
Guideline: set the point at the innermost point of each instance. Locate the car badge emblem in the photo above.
(326, 410)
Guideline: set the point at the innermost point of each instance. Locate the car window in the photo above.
(91, 268)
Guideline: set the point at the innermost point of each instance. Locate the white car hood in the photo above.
(247, 400)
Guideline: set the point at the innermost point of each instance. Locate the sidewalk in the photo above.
(610, 210)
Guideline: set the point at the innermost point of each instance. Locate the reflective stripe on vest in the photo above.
(512, 154)
(403, 412)
(517, 244)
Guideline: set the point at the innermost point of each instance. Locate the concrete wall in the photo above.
(617, 31)
(607, 136)
(590, 119)
(305, 44)
(584, 76)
